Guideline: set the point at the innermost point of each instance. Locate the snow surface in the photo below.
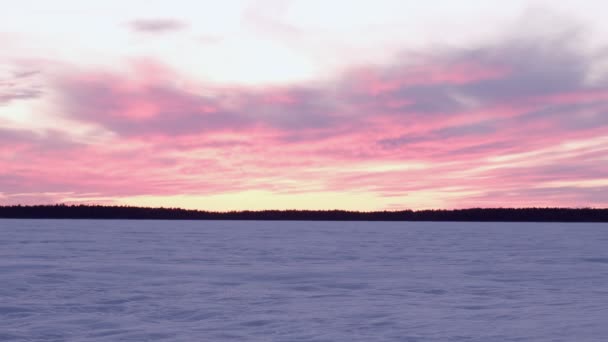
(302, 281)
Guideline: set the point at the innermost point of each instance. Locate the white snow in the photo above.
(302, 281)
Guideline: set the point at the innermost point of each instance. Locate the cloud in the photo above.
(139, 105)
(19, 94)
(485, 125)
(156, 25)
(476, 91)
(16, 85)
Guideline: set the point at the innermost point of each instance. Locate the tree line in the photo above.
(61, 211)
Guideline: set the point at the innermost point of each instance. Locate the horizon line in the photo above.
(82, 211)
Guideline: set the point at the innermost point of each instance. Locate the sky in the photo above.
(304, 104)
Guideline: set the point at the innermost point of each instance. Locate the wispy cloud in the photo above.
(156, 25)
(18, 85)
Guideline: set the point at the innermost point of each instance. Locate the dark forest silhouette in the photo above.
(140, 213)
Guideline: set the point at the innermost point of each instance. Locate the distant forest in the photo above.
(460, 215)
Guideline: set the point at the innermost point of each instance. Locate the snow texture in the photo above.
(190, 281)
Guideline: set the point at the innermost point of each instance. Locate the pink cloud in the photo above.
(431, 127)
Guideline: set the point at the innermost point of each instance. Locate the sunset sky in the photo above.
(305, 104)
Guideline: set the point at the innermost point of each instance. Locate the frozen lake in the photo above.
(302, 281)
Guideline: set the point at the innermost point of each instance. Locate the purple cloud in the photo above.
(156, 25)
(19, 86)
